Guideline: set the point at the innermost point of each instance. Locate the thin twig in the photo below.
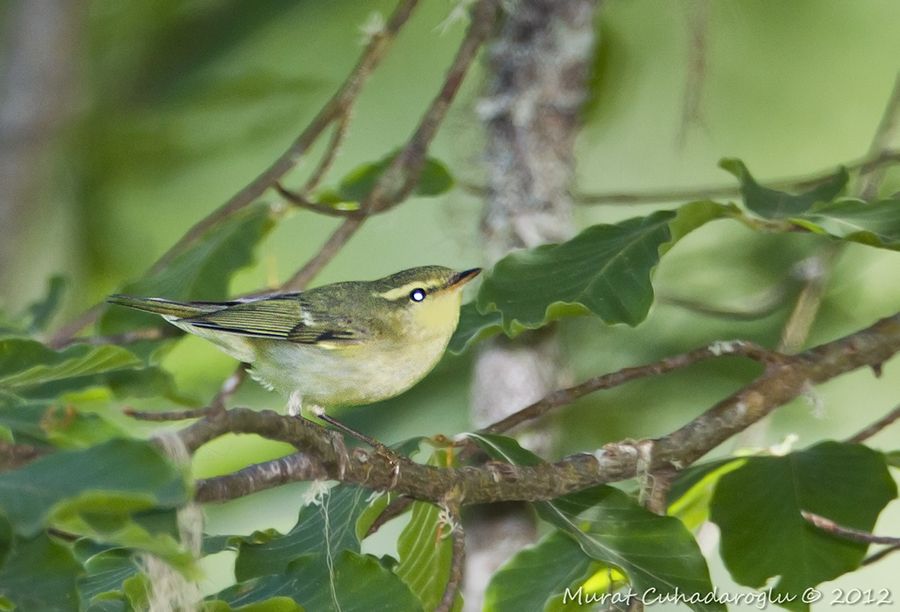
(875, 427)
(400, 177)
(170, 415)
(129, 337)
(300, 201)
(881, 554)
(566, 396)
(697, 68)
(847, 533)
(884, 133)
(338, 134)
(394, 509)
(457, 563)
(864, 166)
(334, 110)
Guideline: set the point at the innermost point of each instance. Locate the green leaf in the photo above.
(348, 582)
(876, 224)
(26, 364)
(40, 312)
(893, 458)
(757, 509)
(691, 493)
(657, 553)
(474, 327)
(33, 422)
(93, 488)
(275, 604)
(202, 271)
(40, 574)
(434, 180)
(604, 270)
(425, 548)
(107, 570)
(774, 204)
(323, 529)
(538, 574)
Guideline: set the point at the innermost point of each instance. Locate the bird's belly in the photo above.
(355, 374)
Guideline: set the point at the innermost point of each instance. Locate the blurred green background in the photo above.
(177, 104)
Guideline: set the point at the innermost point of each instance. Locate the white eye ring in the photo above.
(417, 295)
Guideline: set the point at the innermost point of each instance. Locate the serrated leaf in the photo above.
(604, 270)
(110, 481)
(757, 509)
(774, 204)
(324, 528)
(536, 575)
(40, 574)
(202, 271)
(656, 552)
(876, 224)
(350, 582)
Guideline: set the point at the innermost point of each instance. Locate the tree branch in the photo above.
(784, 378)
(865, 165)
(564, 397)
(400, 177)
(875, 427)
(847, 533)
(336, 109)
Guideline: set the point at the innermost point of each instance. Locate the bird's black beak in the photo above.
(464, 277)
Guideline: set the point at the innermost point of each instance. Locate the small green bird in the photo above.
(337, 345)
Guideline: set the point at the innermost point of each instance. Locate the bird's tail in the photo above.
(166, 308)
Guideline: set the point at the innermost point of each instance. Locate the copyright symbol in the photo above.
(811, 595)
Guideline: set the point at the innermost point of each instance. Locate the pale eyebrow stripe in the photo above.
(403, 291)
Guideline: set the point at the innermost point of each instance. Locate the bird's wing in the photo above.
(285, 317)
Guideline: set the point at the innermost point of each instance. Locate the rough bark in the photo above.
(538, 65)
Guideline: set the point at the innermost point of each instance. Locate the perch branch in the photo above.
(784, 378)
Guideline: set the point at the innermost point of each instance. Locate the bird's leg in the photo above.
(380, 448)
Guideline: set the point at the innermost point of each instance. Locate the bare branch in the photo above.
(875, 427)
(881, 554)
(564, 397)
(170, 415)
(457, 563)
(290, 468)
(336, 109)
(847, 533)
(400, 177)
(784, 378)
(864, 166)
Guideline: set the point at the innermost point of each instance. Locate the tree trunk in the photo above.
(538, 66)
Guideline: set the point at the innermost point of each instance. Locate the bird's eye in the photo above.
(417, 295)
